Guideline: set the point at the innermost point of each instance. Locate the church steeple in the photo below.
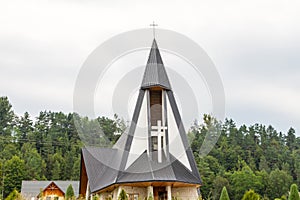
(154, 148)
(156, 129)
(155, 72)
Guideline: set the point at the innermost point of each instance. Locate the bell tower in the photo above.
(156, 130)
(156, 82)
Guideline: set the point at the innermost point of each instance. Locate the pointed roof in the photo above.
(155, 72)
(132, 166)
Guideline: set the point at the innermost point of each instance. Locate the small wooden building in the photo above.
(47, 190)
(52, 192)
(153, 158)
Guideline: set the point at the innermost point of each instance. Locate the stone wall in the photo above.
(181, 193)
(142, 191)
(105, 195)
(185, 193)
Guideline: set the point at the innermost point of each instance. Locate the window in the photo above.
(133, 196)
(48, 198)
(154, 143)
(56, 198)
(162, 196)
(155, 106)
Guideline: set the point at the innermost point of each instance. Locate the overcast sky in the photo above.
(255, 46)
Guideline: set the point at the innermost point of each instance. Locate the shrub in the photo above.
(251, 195)
(122, 195)
(224, 194)
(294, 193)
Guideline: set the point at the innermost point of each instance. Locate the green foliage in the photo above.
(14, 195)
(70, 193)
(224, 194)
(47, 148)
(200, 197)
(150, 197)
(247, 157)
(6, 117)
(279, 183)
(294, 193)
(14, 170)
(218, 185)
(255, 157)
(96, 197)
(244, 180)
(175, 198)
(251, 195)
(34, 164)
(123, 195)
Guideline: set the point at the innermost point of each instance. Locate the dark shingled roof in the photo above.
(143, 170)
(101, 167)
(155, 72)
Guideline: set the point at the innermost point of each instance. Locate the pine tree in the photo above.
(224, 194)
(294, 193)
(122, 195)
(56, 171)
(70, 193)
(6, 117)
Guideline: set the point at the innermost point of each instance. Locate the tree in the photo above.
(263, 164)
(218, 185)
(9, 151)
(70, 193)
(279, 182)
(264, 177)
(296, 165)
(243, 180)
(14, 174)
(251, 195)
(123, 195)
(76, 169)
(224, 194)
(294, 193)
(207, 176)
(291, 139)
(56, 171)
(34, 164)
(14, 195)
(24, 127)
(6, 117)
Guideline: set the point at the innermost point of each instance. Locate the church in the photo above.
(152, 160)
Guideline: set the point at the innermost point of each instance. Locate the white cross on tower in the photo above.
(159, 131)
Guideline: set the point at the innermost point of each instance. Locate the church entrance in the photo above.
(160, 193)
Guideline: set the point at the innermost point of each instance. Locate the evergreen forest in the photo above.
(254, 160)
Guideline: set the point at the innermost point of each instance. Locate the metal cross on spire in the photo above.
(153, 27)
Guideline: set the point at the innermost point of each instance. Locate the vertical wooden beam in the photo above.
(150, 192)
(149, 126)
(169, 192)
(87, 194)
(165, 119)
